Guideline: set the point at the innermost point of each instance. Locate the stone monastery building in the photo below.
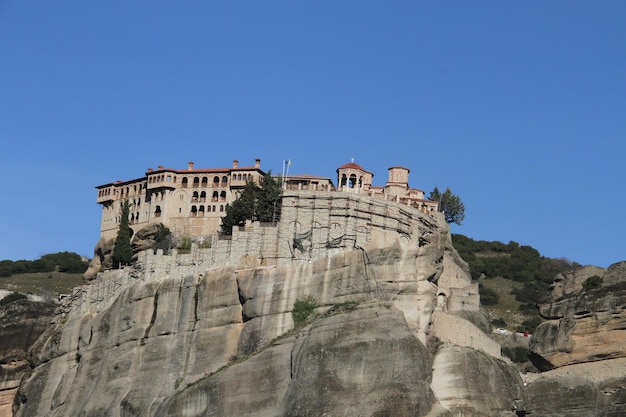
(191, 202)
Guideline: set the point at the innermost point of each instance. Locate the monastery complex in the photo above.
(191, 202)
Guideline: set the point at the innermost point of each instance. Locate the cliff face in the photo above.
(582, 347)
(21, 323)
(211, 332)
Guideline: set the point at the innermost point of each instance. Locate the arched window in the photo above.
(216, 181)
(157, 211)
(223, 196)
(201, 211)
(194, 211)
(196, 182)
(215, 196)
(203, 196)
(344, 180)
(205, 182)
(239, 177)
(222, 208)
(224, 181)
(184, 182)
(352, 181)
(194, 197)
(213, 208)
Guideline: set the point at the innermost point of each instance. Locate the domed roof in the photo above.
(352, 165)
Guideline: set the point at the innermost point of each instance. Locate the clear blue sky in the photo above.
(519, 107)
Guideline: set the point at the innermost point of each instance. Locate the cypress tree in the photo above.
(123, 252)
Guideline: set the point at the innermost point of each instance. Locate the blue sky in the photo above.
(519, 107)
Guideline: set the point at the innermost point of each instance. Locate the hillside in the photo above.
(514, 279)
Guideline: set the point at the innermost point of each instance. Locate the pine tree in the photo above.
(123, 252)
(450, 204)
(267, 198)
(256, 202)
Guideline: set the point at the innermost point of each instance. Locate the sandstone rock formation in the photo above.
(583, 326)
(581, 347)
(21, 323)
(211, 332)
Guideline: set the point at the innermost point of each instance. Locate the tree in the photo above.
(241, 209)
(267, 198)
(450, 204)
(123, 252)
(256, 202)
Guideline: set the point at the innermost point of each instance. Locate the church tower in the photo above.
(353, 178)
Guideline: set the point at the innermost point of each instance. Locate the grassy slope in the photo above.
(42, 283)
(507, 307)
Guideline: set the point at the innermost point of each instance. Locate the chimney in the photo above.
(257, 163)
(160, 167)
(150, 170)
(189, 166)
(235, 163)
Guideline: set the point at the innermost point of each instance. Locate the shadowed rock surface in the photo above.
(581, 348)
(21, 324)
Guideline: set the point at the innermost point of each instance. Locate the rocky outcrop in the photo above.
(583, 325)
(21, 324)
(211, 332)
(594, 389)
(102, 259)
(151, 237)
(363, 362)
(581, 347)
(470, 383)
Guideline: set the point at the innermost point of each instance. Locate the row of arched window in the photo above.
(123, 192)
(203, 182)
(161, 178)
(201, 197)
(351, 181)
(199, 210)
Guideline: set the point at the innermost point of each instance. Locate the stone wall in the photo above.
(313, 225)
(452, 329)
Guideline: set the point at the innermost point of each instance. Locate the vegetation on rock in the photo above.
(256, 203)
(592, 283)
(303, 308)
(14, 296)
(450, 204)
(123, 251)
(518, 263)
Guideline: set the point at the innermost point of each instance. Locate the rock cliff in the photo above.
(21, 323)
(581, 347)
(211, 332)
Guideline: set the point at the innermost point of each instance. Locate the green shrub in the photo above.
(303, 308)
(592, 283)
(14, 296)
(488, 297)
(530, 325)
(343, 307)
(499, 322)
(517, 354)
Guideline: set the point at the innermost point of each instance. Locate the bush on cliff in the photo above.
(303, 308)
(14, 296)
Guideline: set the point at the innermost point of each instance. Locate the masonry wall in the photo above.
(456, 330)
